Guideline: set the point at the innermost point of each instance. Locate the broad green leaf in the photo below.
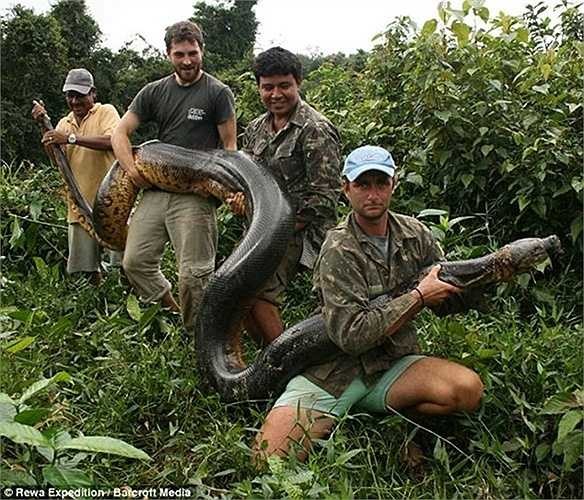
(31, 417)
(440, 453)
(303, 476)
(483, 13)
(462, 32)
(443, 157)
(148, 316)
(429, 27)
(133, 307)
(41, 266)
(572, 448)
(573, 106)
(7, 412)
(23, 315)
(443, 13)
(546, 71)
(345, 457)
(443, 115)
(561, 403)
(508, 166)
(486, 149)
(523, 203)
(63, 477)
(523, 280)
(497, 85)
(61, 326)
(458, 220)
(483, 130)
(428, 212)
(529, 120)
(577, 184)
(10, 477)
(576, 227)
(20, 344)
(414, 178)
(544, 296)
(5, 398)
(568, 423)
(522, 34)
(102, 444)
(35, 209)
(542, 89)
(466, 179)
(487, 353)
(543, 265)
(43, 384)
(541, 451)
(16, 233)
(23, 434)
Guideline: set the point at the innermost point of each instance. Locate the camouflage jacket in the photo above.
(351, 271)
(305, 158)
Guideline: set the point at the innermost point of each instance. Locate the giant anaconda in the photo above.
(271, 220)
(307, 343)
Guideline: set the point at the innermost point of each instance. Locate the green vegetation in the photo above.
(484, 115)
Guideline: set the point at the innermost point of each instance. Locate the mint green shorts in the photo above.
(302, 393)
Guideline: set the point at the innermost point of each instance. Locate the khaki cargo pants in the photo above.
(188, 221)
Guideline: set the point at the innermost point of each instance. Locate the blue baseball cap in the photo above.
(368, 158)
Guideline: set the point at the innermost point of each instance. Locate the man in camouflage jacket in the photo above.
(301, 148)
(373, 252)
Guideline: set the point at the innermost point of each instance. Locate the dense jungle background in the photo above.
(484, 114)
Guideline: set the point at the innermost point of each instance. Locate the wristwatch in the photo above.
(72, 139)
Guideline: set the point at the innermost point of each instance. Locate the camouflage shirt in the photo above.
(349, 273)
(305, 158)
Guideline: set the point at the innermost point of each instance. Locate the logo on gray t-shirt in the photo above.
(195, 114)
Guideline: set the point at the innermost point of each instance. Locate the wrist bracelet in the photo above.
(421, 296)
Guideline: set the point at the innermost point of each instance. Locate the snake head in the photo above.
(524, 254)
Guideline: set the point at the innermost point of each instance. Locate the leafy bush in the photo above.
(482, 120)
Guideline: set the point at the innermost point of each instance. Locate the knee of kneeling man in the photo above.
(470, 392)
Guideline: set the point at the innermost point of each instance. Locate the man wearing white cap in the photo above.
(373, 252)
(85, 133)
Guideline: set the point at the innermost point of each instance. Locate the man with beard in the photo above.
(194, 110)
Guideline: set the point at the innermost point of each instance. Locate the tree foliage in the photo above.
(229, 28)
(483, 121)
(33, 64)
(81, 34)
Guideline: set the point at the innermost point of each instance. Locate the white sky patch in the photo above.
(303, 26)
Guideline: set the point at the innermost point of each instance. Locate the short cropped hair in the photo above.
(181, 32)
(277, 61)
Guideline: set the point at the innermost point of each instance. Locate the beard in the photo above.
(188, 75)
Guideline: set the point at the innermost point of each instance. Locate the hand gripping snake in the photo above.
(271, 220)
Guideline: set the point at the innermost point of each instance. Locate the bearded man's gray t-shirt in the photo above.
(186, 116)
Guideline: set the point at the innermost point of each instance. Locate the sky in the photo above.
(302, 26)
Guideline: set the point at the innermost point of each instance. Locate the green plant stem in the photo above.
(41, 223)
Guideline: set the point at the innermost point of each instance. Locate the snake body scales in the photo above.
(270, 225)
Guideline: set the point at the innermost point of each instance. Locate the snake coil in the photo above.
(271, 220)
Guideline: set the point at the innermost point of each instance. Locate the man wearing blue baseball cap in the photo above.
(372, 253)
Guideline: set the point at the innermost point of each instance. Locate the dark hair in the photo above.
(277, 61)
(183, 31)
